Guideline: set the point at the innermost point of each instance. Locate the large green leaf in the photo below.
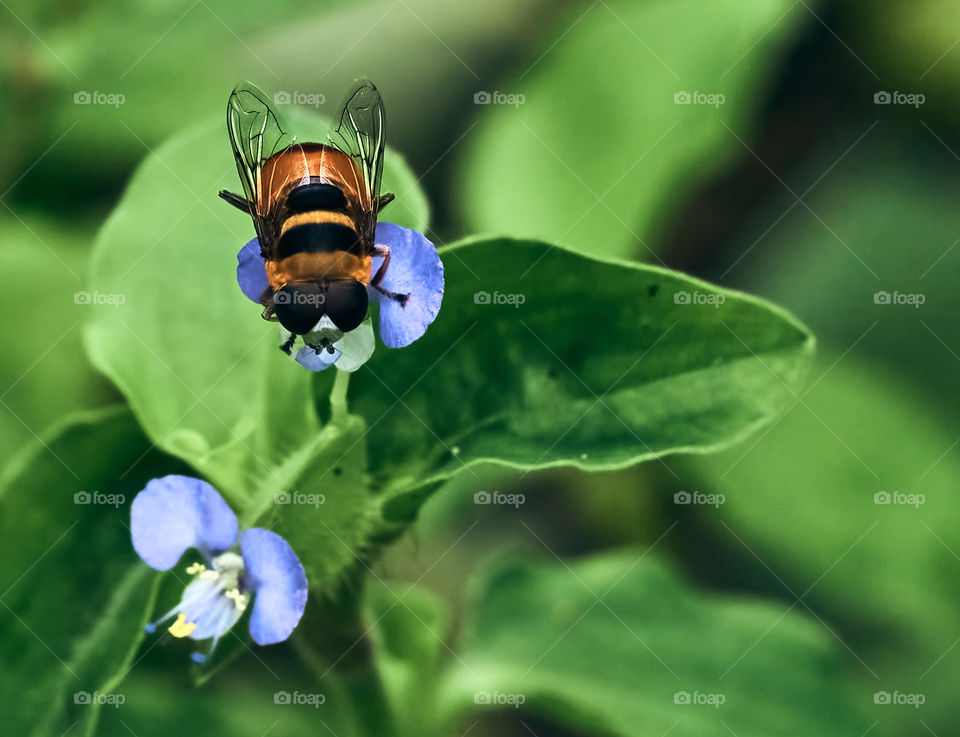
(894, 563)
(326, 515)
(41, 294)
(881, 420)
(265, 696)
(74, 595)
(201, 370)
(603, 365)
(885, 239)
(598, 153)
(407, 626)
(614, 645)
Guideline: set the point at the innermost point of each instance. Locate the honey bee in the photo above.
(314, 208)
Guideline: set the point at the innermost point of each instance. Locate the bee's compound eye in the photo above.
(299, 306)
(346, 303)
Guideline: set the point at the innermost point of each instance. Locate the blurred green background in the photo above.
(817, 164)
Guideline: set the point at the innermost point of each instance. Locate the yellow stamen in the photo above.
(196, 568)
(182, 628)
(240, 600)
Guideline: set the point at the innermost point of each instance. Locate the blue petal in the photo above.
(251, 271)
(310, 359)
(415, 269)
(174, 513)
(274, 572)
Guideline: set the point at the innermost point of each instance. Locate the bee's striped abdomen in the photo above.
(316, 196)
(317, 222)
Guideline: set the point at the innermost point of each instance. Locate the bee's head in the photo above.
(299, 306)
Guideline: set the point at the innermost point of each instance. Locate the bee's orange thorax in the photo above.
(303, 161)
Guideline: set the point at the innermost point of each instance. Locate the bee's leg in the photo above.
(266, 300)
(384, 200)
(289, 344)
(384, 251)
(241, 203)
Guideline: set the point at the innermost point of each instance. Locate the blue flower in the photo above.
(415, 271)
(175, 513)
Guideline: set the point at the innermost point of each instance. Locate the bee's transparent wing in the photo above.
(359, 133)
(256, 133)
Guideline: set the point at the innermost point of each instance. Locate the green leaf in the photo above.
(407, 626)
(611, 644)
(327, 516)
(41, 292)
(601, 366)
(74, 595)
(882, 419)
(200, 368)
(889, 564)
(882, 239)
(248, 700)
(598, 153)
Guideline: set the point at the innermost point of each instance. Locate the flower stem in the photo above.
(338, 397)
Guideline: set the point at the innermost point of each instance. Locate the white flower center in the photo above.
(213, 601)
